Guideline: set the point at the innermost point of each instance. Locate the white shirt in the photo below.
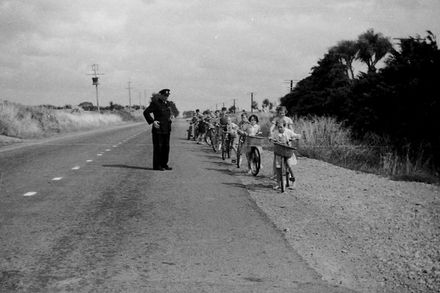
(253, 129)
(284, 137)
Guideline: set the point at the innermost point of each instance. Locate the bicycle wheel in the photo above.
(279, 171)
(196, 132)
(287, 174)
(214, 143)
(232, 154)
(224, 146)
(282, 172)
(189, 132)
(255, 161)
(208, 137)
(239, 147)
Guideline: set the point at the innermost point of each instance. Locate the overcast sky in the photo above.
(207, 52)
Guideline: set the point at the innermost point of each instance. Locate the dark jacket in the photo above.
(161, 112)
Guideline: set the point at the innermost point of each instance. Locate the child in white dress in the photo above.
(283, 135)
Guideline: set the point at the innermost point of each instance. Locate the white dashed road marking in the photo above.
(30, 193)
(76, 168)
(57, 178)
(107, 150)
(99, 155)
(89, 161)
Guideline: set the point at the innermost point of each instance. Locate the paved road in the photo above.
(86, 213)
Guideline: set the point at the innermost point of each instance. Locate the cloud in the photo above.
(207, 51)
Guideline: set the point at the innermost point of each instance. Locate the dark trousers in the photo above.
(161, 149)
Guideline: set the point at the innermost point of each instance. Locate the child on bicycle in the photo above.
(232, 130)
(281, 116)
(283, 135)
(243, 124)
(253, 129)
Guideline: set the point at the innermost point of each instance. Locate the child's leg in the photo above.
(248, 157)
(277, 161)
(290, 163)
(234, 145)
(274, 166)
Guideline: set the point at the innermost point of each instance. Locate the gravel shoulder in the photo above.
(366, 232)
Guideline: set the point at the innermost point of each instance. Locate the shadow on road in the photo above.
(128, 167)
(224, 171)
(239, 185)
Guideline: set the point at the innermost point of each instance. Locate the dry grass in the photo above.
(324, 138)
(33, 121)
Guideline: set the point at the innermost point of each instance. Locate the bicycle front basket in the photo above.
(283, 150)
(254, 140)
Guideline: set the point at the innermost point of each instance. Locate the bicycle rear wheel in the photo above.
(214, 141)
(287, 174)
(224, 146)
(190, 130)
(228, 148)
(208, 137)
(239, 149)
(255, 161)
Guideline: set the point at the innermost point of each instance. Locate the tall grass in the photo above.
(326, 139)
(34, 121)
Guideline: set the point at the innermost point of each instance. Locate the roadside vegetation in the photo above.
(327, 139)
(386, 119)
(19, 121)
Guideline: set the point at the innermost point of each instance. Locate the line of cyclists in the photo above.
(233, 140)
(218, 130)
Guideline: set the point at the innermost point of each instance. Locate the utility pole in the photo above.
(291, 81)
(252, 102)
(140, 96)
(95, 73)
(234, 107)
(129, 93)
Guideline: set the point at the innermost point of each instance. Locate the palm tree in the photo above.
(372, 47)
(346, 50)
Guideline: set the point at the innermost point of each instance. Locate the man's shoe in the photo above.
(167, 168)
(159, 169)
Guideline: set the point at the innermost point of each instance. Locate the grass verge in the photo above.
(324, 138)
(24, 122)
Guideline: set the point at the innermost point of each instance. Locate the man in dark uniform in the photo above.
(161, 121)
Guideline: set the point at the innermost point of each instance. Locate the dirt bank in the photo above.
(366, 232)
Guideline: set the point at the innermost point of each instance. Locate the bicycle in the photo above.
(282, 154)
(216, 139)
(190, 130)
(241, 144)
(254, 156)
(210, 133)
(225, 144)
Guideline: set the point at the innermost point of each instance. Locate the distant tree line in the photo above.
(398, 102)
(88, 106)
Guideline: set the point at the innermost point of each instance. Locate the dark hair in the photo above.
(253, 116)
